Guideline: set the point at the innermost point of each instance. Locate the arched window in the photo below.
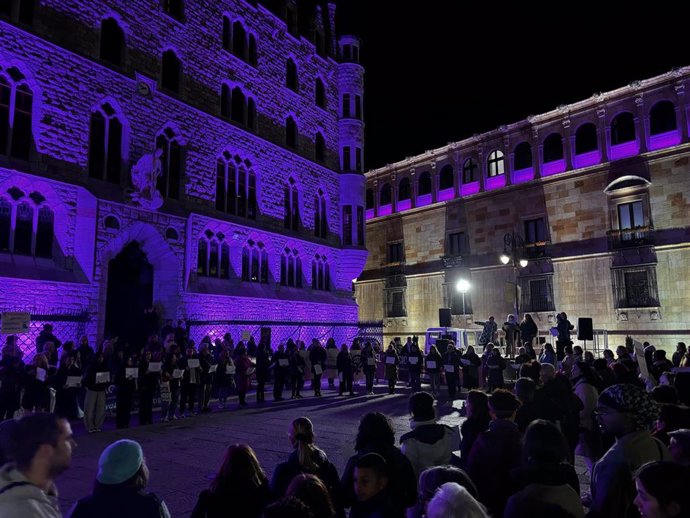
(112, 42)
(226, 184)
(251, 113)
(291, 75)
(16, 102)
(424, 183)
(553, 148)
(496, 165)
(404, 191)
(291, 219)
(105, 145)
(239, 40)
(168, 183)
(252, 50)
(290, 269)
(662, 118)
(224, 272)
(111, 222)
(320, 273)
(370, 199)
(586, 139)
(213, 259)
(5, 224)
(319, 147)
(291, 133)
(385, 194)
(171, 234)
(320, 217)
(23, 229)
(523, 156)
(202, 258)
(44, 233)
(238, 105)
(171, 72)
(469, 171)
(446, 180)
(174, 8)
(622, 128)
(320, 93)
(254, 263)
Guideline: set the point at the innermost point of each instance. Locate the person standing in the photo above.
(433, 364)
(451, 366)
(242, 373)
(488, 332)
(263, 362)
(512, 331)
(369, 366)
(281, 370)
(563, 326)
(392, 361)
(414, 361)
(528, 332)
(318, 357)
(470, 368)
(296, 373)
(345, 370)
(96, 381)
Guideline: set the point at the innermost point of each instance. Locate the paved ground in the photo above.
(184, 455)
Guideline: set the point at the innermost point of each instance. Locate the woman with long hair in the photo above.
(314, 494)
(662, 490)
(239, 488)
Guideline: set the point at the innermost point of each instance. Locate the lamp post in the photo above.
(513, 253)
(463, 286)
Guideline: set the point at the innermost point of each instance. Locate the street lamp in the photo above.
(513, 253)
(463, 286)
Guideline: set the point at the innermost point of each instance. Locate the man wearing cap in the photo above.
(40, 446)
(627, 412)
(119, 488)
(680, 446)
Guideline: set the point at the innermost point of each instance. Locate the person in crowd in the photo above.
(512, 330)
(50, 352)
(96, 380)
(281, 371)
(478, 419)
(470, 368)
(243, 366)
(149, 379)
(665, 395)
(544, 478)
(330, 371)
(41, 448)
(173, 369)
(369, 366)
(495, 452)
(317, 357)
(263, 362)
(454, 500)
(660, 363)
(375, 435)
(679, 446)
(46, 335)
(495, 364)
(662, 490)
(414, 362)
(429, 443)
(120, 486)
(345, 371)
(11, 375)
(208, 368)
(166, 330)
(36, 390)
(488, 331)
(297, 366)
(681, 351)
(306, 457)
(125, 386)
(288, 507)
(484, 371)
(528, 332)
(240, 485)
(451, 367)
(627, 412)
(66, 403)
(522, 356)
(190, 381)
(432, 364)
(525, 390)
(371, 479)
(392, 360)
(671, 418)
(312, 491)
(586, 385)
(568, 361)
(85, 353)
(605, 373)
(548, 355)
(563, 326)
(224, 379)
(431, 479)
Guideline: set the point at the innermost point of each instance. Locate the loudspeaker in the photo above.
(585, 329)
(443, 317)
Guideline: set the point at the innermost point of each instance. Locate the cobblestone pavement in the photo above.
(184, 455)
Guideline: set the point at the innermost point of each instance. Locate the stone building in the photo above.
(184, 155)
(594, 195)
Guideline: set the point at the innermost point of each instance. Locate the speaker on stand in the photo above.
(585, 329)
(443, 317)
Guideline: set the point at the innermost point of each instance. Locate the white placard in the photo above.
(371, 361)
(341, 376)
(73, 381)
(283, 362)
(40, 374)
(212, 369)
(390, 360)
(102, 377)
(465, 362)
(155, 366)
(246, 335)
(413, 360)
(177, 373)
(317, 369)
(449, 368)
(14, 323)
(193, 363)
(230, 369)
(430, 364)
(131, 372)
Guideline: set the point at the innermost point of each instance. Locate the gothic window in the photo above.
(360, 226)
(291, 216)
(385, 196)
(290, 269)
(424, 183)
(255, 263)
(319, 147)
(238, 105)
(170, 233)
(213, 259)
(662, 118)
(168, 183)
(622, 128)
(553, 148)
(238, 41)
(523, 156)
(495, 163)
(469, 171)
(226, 191)
(16, 101)
(396, 252)
(5, 224)
(456, 244)
(224, 272)
(320, 273)
(23, 229)
(404, 191)
(291, 133)
(44, 233)
(586, 139)
(370, 199)
(320, 93)
(446, 178)
(174, 9)
(347, 224)
(320, 217)
(112, 42)
(347, 161)
(171, 72)
(346, 106)
(105, 145)
(291, 75)
(202, 258)
(359, 166)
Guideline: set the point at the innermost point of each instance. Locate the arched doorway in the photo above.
(130, 293)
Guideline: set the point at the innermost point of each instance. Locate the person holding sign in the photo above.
(96, 380)
(415, 360)
(297, 365)
(36, 392)
(433, 368)
(345, 372)
(208, 370)
(125, 374)
(451, 366)
(242, 371)
(149, 378)
(173, 369)
(66, 394)
(190, 380)
(281, 369)
(263, 363)
(392, 361)
(369, 366)
(470, 368)
(318, 357)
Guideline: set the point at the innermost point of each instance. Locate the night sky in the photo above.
(445, 71)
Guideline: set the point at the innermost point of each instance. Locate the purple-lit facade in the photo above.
(210, 134)
(596, 189)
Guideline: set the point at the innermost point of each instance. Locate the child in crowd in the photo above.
(370, 483)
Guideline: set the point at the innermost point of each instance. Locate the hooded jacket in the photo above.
(429, 444)
(20, 498)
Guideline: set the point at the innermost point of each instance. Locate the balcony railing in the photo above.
(452, 261)
(537, 250)
(630, 237)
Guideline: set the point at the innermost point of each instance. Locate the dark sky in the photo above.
(441, 71)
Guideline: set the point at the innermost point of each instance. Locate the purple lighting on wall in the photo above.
(403, 205)
(423, 199)
(385, 210)
(446, 194)
(586, 159)
(523, 175)
(495, 182)
(662, 140)
(371, 213)
(624, 150)
(549, 168)
(468, 189)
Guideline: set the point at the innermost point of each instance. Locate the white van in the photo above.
(460, 337)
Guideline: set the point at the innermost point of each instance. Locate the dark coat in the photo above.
(244, 502)
(117, 501)
(326, 471)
